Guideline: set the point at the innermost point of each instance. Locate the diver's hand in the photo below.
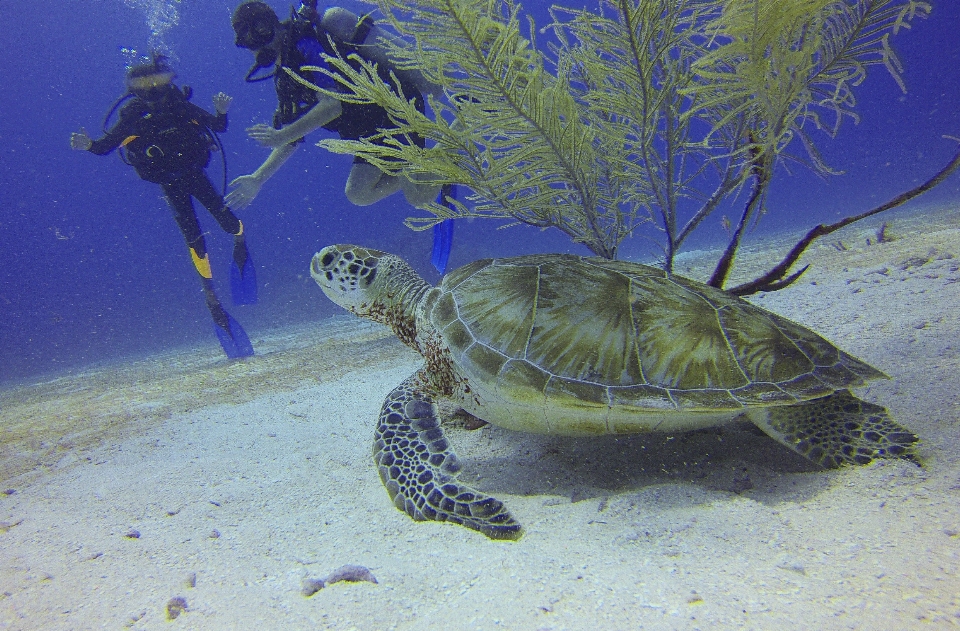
(80, 140)
(267, 136)
(247, 188)
(221, 102)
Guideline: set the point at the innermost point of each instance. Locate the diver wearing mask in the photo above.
(168, 141)
(302, 41)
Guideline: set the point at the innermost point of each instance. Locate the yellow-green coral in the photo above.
(647, 110)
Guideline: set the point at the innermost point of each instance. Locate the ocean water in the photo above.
(94, 267)
(104, 336)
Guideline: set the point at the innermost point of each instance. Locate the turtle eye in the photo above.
(327, 259)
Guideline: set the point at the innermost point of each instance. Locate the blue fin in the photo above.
(443, 231)
(442, 242)
(243, 284)
(235, 342)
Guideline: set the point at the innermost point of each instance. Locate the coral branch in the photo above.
(771, 281)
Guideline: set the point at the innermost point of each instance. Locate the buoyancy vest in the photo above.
(294, 98)
(168, 139)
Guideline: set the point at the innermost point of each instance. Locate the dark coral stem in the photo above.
(771, 281)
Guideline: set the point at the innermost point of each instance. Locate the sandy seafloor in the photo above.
(244, 478)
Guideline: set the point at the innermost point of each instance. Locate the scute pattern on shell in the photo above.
(619, 333)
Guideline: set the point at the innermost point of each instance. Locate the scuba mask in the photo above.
(151, 95)
(255, 35)
(255, 25)
(151, 87)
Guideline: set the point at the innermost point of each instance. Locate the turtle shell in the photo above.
(591, 333)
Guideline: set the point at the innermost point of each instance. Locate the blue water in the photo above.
(94, 268)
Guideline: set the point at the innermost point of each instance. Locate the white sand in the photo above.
(721, 529)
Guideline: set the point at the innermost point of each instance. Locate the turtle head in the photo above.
(369, 283)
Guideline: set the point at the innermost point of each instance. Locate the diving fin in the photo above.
(233, 338)
(443, 231)
(243, 281)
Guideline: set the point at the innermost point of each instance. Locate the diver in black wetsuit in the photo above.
(168, 140)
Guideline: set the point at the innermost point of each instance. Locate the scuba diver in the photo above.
(168, 141)
(303, 41)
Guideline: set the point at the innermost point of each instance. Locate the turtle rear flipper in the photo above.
(419, 468)
(837, 429)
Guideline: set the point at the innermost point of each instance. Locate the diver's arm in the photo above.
(343, 25)
(80, 140)
(274, 161)
(219, 123)
(248, 186)
(106, 144)
(221, 104)
(114, 137)
(214, 122)
(319, 115)
(327, 109)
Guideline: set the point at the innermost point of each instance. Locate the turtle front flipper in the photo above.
(419, 468)
(837, 429)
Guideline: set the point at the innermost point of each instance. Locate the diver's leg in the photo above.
(183, 212)
(367, 184)
(233, 339)
(243, 276)
(417, 187)
(418, 194)
(186, 217)
(202, 188)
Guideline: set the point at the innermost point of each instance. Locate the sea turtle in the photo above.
(564, 344)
